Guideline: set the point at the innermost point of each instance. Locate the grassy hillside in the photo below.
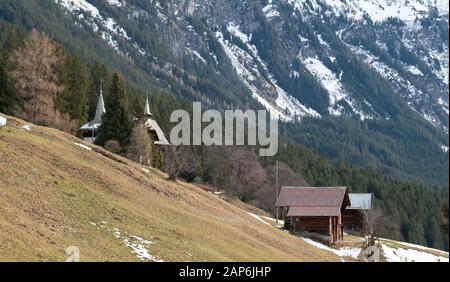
(56, 192)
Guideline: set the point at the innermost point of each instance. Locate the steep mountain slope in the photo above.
(56, 192)
(403, 42)
(378, 66)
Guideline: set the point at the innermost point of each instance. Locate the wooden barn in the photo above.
(353, 215)
(314, 209)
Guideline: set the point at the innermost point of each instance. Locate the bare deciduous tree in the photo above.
(247, 175)
(178, 159)
(286, 176)
(140, 149)
(377, 222)
(36, 77)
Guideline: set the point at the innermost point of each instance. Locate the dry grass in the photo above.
(52, 192)
(246, 207)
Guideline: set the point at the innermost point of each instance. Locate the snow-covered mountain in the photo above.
(296, 58)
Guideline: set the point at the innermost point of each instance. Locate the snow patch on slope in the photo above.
(376, 10)
(409, 255)
(341, 252)
(82, 146)
(117, 3)
(258, 218)
(270, 11)
(248, 65)
(139, 246)
(195, 54)
(402, 86)
(333, 86)
(2, 121)
(107, 27)
(443, 59)
(414, 253)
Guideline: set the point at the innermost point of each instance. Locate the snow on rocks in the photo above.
(256, 77)
(107, 27)
(443, 104)
(414, 70)
(443, 58)
(117, 3)
(27, 127)
(2, 121)
(400, 84)
(271, 11)
(376, 10)
(195, 54)
(332, 84)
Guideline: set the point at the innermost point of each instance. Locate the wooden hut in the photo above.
(314, 209)
(353, 215)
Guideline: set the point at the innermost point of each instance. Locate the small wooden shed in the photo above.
(314, 209)
(353, 215)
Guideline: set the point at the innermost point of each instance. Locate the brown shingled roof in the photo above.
(314, 211)
(313, 201)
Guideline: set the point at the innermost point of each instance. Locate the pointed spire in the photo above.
(100, 106)
(147, 107)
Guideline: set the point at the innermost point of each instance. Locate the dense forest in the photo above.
(63, 91)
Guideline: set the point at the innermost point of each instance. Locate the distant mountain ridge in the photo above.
(404, 42)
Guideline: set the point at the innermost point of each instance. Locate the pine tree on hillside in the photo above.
(75, 78)
(6, 100)
(116, 122)
(12, 39)
(445, 218)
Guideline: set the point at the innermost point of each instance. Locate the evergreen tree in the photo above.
(5, 95)
(137, 103)
(13, 40)
(445, 218)
(116, 122)
(75, 79)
